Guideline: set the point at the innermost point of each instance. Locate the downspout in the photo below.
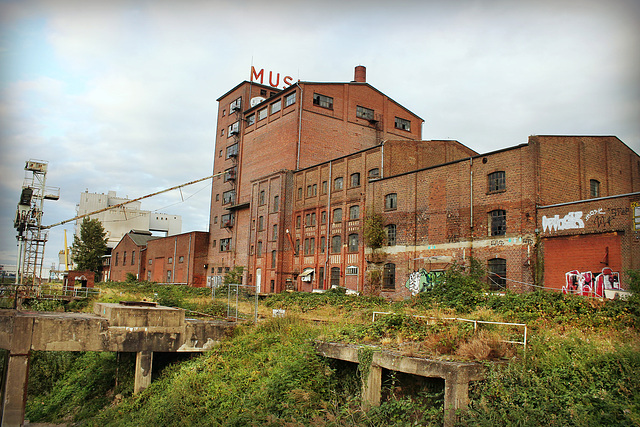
(382, 159)
(140, 263)
(471, 207)
(189, 260)
(173, 268)
(299, 127)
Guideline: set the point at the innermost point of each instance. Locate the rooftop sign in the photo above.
(274, 78)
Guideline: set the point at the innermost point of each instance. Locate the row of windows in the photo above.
(133, 259)
(310, 218)
(273, 108)
(338, 183)
(309, 248)
(361, 112)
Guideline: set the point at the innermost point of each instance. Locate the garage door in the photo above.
(582, 253)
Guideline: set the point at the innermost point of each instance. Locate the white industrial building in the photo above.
(119, 221)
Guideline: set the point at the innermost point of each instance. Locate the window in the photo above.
(300, 193)
(390, 231)
(324, 187)
(124, 258)
(298, 221)
(117, 253)
(226, 220)
(251, 119)
(364, 113)
(222, 132)
(323, 242)
(389, 276)
(260, 223)
(168, 275)
(276, 203)
(323, 217)
(353, 242)
(337, 215)
(310, 219)
(275, 107)
(228, 197)
(232, 151)
(310, 246)
(321, 277)
(234, 128)
(498, 222)
(133, 257)
(496, 181)
(337, 183)
(290, 99)
(352, 270)
(594, 185)
(355, 179)
(225, 245)
(259, 249)
(354, 212)
(403, 124)
(335, 276)
(336, 244)
(261, 197)
(170, 260)
(230, 174)
(235, 105)
(150, 261)
(391, 201)
(297, 247)
(497, 273)
(263, 92)
(374, 173)
(275, 232)
(309, 191)
(262, 114)
(273, 259)
(323, 101)
(181, 260)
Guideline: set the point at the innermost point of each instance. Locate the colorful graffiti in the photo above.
(570, 221)
(423, 280)
(586, 284)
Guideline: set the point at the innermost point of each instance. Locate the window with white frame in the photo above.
(403, 124)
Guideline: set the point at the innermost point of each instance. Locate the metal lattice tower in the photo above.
(28, 222)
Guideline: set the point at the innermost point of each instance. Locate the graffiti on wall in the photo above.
(570, 221)
(586, 284)
(423, 280)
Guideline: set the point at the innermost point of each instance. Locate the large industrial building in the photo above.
(301, 170)
(119, 221)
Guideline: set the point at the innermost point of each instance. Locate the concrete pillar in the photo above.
(17, 374)
(144, 362)
(371, 388)
(15, 390)
(456, 396)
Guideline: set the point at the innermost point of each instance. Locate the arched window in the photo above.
(335, 276)
(391, 201)
(336, 244)
(389, 276)
(354, 212)
(390, 231)
(497, 273)
(498, 222)
(353, 242)
(337, 215)
(355, 179)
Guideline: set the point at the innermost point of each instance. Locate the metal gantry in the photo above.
(28, 222)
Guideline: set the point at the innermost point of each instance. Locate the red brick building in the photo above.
(300, 168)
(179, 259)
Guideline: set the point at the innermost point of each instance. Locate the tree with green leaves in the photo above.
(89, 248)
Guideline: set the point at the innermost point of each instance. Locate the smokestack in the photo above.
(360, 74)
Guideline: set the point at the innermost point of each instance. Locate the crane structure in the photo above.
(28, 222)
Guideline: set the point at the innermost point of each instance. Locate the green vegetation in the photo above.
(90, 246)
(580, 366)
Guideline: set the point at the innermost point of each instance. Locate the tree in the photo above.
(88, 249)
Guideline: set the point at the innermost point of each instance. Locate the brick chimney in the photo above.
(360, 74)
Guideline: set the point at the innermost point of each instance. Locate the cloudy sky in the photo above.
(121, 95)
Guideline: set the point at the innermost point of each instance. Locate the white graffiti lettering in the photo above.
(570, 221)
(594, 212)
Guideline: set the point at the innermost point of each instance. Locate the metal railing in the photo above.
(475, 324)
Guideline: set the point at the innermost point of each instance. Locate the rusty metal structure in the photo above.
(28, 223)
